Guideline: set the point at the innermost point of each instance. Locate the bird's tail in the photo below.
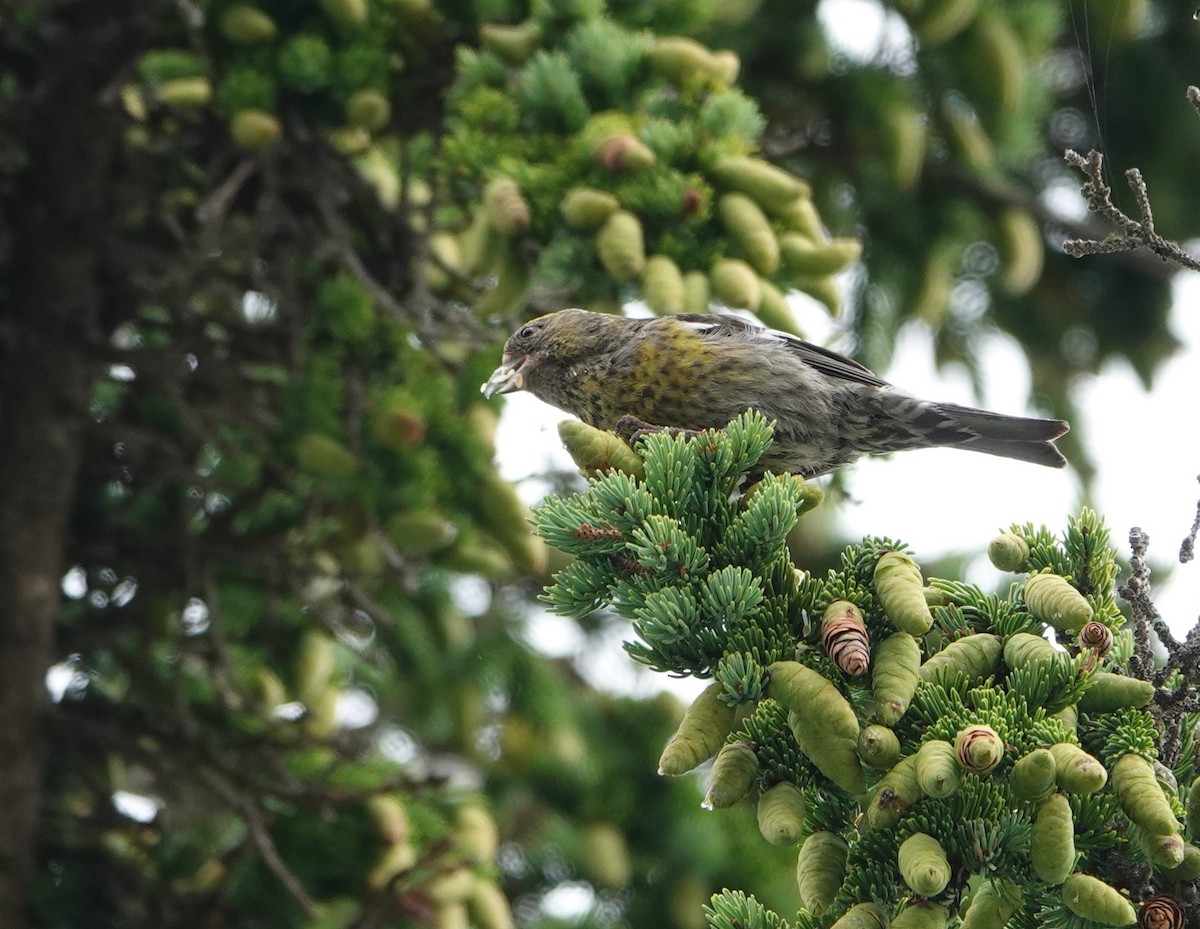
(1016, 437)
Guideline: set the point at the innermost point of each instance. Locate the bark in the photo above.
(50, 315)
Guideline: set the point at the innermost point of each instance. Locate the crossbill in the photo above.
(696, 372)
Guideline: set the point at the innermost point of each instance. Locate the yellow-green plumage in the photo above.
(700, 371)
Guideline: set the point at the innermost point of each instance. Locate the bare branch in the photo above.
(1136, 592)
(1187, 550)
(1134, 234)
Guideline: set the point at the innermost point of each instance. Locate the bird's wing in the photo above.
(828, 362)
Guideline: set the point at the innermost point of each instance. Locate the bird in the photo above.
(691, 372)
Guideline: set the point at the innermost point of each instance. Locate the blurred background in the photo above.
(270, 648)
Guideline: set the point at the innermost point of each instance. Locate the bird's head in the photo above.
(549, 342)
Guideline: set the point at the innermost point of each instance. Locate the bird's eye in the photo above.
(527, 332)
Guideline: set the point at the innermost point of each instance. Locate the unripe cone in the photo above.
(878, 746)
(247, 24)
(801, 216)
(1033, 776)
(781, 813)
(822, 289)
(772, 188)
(943, 19)
(506, 518)
(1052, 851)
(475, 832)
(1023, 649)
(967, 137)
(844, 638)
(894, 795)
(922, 915)
(595, 450)
(826, 728)
(325, 456)
(687, 61)
(695, 292)
(506, 210)
(369, 109)
(352, 13)
(1192, 815)
(421, 531)
(937, 768)
(186, 92)
(444, 247)
(748, 227)
(979, 748)
(703, 730)
(623, 152)
(1093, 899)
(923, 864)
(587, 209)
(820, 870)
(733, 774)
(735, 284)
(863, 916)
(662, 285)
(621, 247)
(390, 818)
(1162, 851)
(904, 133)
(1077, 771)
(804, 256)
(895, 677)
(774, 310)
(1189, 868)
(489, 907)
(255, 130)
(1053, 600)
(1022, 251)
(1008, 552)
(1001, 57)
(902, 593)
(989, 909)
(606, 855)
(396, 858)
(1140, 796)
(1068, 716)
(1108, 692)
(512, 44)
(974, 656)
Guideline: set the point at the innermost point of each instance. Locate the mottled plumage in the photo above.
(696, 372)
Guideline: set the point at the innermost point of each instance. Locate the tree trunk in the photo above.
(50, 325)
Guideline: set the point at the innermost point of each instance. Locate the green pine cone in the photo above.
(902, 593)
(895, 675)
(1052, 851)
(923, 864)
(820, 870)
(703, 730)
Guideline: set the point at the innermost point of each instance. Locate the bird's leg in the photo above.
(632, 429)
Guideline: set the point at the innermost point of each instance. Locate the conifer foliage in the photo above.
(983, 776)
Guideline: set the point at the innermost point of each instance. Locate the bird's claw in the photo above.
(633, 430)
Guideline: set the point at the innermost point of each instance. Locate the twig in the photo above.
(1187, 550)
(1136, 592)
(270, 855)
(217, 203)
(1134, 234)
